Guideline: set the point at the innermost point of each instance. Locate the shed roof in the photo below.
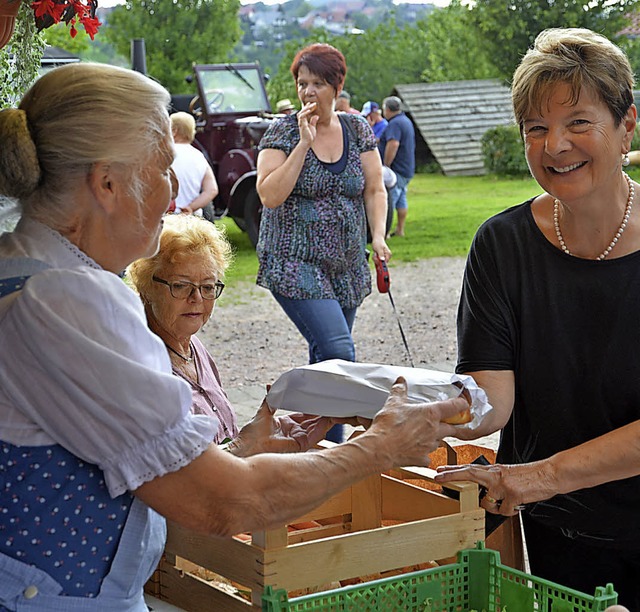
(452, 117)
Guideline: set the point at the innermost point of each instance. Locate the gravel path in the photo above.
(253, 341)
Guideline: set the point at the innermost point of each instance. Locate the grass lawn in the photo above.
(444, 214)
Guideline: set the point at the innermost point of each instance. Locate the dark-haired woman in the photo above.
(318, 172)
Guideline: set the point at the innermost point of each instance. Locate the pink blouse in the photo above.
(208, 396)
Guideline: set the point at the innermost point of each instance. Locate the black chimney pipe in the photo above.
(138, 55)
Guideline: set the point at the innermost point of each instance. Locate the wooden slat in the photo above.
(406, 502)
(338, 504)
(361, 553)
(452, 116)
(366, 504)
(237, 561)
(195, 595)
(312, 534)
(274, 538)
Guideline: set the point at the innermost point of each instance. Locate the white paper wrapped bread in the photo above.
(340, 388)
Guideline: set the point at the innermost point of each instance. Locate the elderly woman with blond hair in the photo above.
(548, 321)
(98, 443)
(197, 183)
(178, 287)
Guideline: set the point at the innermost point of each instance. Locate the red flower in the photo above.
(50, 12)
(91, 25)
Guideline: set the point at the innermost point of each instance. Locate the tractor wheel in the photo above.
(252, 215)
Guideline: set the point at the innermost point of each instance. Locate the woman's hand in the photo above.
(508, 487)
(277, 173)
(380, 249)
(307, 121)
(290, 433)
(409, 431)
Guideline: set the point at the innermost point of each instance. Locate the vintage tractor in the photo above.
(232, 112)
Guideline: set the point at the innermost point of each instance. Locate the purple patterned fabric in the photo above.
(313, 246)
(208, 395)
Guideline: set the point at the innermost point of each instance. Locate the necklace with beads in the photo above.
(187, 359)
(616, 236)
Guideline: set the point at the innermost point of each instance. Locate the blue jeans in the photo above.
(326, 327)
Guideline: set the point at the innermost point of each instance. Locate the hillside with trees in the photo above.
(385, 44)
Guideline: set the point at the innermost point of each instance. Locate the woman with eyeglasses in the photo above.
(178, 287)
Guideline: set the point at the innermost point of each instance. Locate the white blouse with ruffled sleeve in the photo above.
(80, 368)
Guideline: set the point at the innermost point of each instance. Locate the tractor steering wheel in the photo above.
(216, 99)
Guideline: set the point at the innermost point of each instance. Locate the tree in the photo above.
(377, 60)
(281, 85)
(455, 51)
(58, 36)
(381, 58)
(508, 28)
(177, 33)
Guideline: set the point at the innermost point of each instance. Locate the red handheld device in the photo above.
(382, 275)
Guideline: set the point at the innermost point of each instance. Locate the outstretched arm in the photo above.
(499, 385)
(221, 494)
(613, 456)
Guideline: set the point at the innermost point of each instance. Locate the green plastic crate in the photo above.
(478, 581)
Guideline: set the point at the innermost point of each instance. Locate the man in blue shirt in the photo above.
(373, 114)
(398, 150)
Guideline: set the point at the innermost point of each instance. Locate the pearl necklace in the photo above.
(623, 225)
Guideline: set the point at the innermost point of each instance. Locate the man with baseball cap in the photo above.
(398, 150)
(371, 111)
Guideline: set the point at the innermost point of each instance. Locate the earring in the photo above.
(625, 160)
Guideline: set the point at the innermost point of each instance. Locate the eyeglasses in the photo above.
(181, 290)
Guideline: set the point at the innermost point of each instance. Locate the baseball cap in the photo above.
(369, 107)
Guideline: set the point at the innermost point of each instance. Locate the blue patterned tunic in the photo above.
(313, 246)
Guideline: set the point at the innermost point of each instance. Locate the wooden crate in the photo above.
(380, 524)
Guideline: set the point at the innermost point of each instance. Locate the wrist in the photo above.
(375, 446)
(550, 477)
(303, 146)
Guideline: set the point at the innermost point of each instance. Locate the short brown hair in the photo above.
(581, 59)
(322, 60)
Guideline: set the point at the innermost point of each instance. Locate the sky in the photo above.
(108, 3)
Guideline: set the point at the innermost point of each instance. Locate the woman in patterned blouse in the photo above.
(318, 172)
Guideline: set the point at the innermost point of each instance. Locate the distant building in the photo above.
(54, 57)
(451, 118)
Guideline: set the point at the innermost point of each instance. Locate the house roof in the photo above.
(57, 56)
(452, 117)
